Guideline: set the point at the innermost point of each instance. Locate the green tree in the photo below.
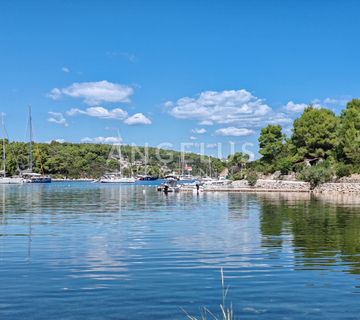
(348, 133)
(314, 133)
(238, 160)
(271, 143)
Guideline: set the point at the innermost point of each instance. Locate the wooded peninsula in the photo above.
(322, 147)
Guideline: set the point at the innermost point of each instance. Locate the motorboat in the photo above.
(116, 178)
(145, 177)
(11, 180)
(186, 178)
(172, 176)
(217, 182)
(170, 185)
(33, 177)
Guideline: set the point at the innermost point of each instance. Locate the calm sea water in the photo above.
(91, 251)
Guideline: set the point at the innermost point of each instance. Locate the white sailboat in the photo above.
(185, 176)
(4, 179)
(29, 175)
(117, 177)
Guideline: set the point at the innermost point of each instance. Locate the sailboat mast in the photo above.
(119, 151)
(4, 147)
(30, 142)
(210, 169)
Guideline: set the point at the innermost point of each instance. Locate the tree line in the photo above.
(322, 145)
(83, 160)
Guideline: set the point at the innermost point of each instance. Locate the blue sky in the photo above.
(173, 71)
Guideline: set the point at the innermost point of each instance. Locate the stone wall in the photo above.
(264, 185)
(339, 187)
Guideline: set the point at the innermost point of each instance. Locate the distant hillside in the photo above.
(75, 160)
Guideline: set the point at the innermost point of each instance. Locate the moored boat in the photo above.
(11, 180)
(146, 177)
(170, 185)
(33, 177)
(116, 178)
(28, 175)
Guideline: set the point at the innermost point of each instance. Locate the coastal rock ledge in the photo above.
(338, 187)
(263, 185)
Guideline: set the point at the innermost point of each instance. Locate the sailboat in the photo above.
(117, 177)
(4, 179)
(146, 176)
(185, 176)
(29, 175)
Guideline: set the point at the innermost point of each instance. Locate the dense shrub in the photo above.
(343, 170)
(284, 165)
(240, 175)
(316, 175)
(252, 178)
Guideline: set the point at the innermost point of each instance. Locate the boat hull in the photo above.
(117, 181)
(40, 180)
(11, 180)
(148, 178)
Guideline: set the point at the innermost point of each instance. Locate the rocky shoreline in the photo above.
(263, 185)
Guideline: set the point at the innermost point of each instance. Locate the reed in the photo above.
(226, 313)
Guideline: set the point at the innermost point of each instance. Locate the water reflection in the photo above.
(322, 233)
(144, 254)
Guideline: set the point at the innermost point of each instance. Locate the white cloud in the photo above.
(235, 132)
(295, 107)
(335, 101)
(57, 117)
(199, 131)
(65, 69)
(100, 112)
(193, 138)
(316, 103)
(137, 119)
(94, 93)
(206, 123)
(278, 118)
(229, 106)
(102, 140)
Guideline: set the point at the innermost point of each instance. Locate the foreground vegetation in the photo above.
(226, 312)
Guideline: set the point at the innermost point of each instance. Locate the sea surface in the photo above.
(95, 251)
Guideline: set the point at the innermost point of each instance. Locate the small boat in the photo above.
(170, 185)
(185, 175)
(33, 177)
(187, 178)
(11, 180)
(217, 182)
(116, 177)
(172, 176)
(145, 177)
